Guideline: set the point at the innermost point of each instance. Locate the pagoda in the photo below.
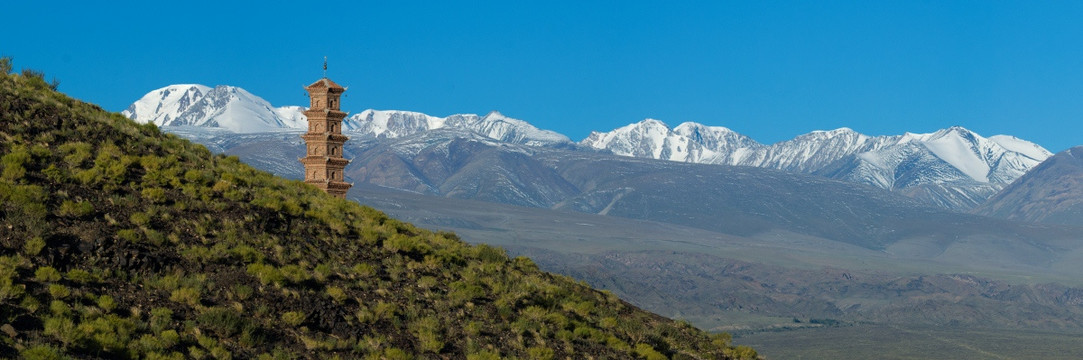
(324, 163)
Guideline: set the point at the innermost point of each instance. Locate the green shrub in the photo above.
(160, 319)
(46, 274)
(139, 218)
(540, 353)
(649, 352)
(59, 308)
(80, 276)
(147, 344)
(30, 303)
(186, 295)
(385, 310)
(322, 272)
(295, 274)
(428, 333)
(154, 195)
(490, 254)
(58, 291)
(170, 356)
(721, 340)
(62, 329)
(484, 355)
(129, 235)
(363, 270)
(75, 209)
(165, 282)
(741, 352)
(34, 246)
(107, 303)
(411, 245)
(242, 292)
(617, 344)
(394, 354)
(13, 164)
(293, 318)
(267, 274)
(54, 174)
(10, 290)
(42, 352)
(75, 154)
(246, 254)
(223, 321)
(169, 338)
(336, 294)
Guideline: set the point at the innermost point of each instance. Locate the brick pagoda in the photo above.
(324, 163)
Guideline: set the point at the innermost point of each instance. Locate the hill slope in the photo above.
(122, 242)
(1051, 193)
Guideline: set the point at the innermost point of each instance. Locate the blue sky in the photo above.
(768, 69)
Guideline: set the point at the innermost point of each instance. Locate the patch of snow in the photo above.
(956, 147)
(1022, 147)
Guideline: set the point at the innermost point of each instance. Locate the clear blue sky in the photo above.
(768, 69)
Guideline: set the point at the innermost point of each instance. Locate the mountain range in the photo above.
(953, 168)
(234, 109)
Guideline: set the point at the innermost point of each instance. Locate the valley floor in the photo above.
(887, 342)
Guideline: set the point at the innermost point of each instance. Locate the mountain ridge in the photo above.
(236, 110)
(953, 168)
(937, 166)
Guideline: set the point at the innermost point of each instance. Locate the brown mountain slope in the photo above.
(1051, 193)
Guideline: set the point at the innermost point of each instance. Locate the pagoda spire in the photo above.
(324, 162)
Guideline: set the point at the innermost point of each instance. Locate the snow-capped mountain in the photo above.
(649, 138)
(494, 125)
(234, 109)
(954, 167)
(226, 107)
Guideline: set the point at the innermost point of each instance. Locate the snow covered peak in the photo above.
(842, 131)
(391, 123)
(642, 139)
(497, 126)
(1025, 148)
(163, 105)
(227, 107)
(998, 159)
(398, 124)
(963, 149)
(652, 138)
(716, 138)
(395, 124)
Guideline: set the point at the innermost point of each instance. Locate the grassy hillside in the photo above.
(117, 241)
